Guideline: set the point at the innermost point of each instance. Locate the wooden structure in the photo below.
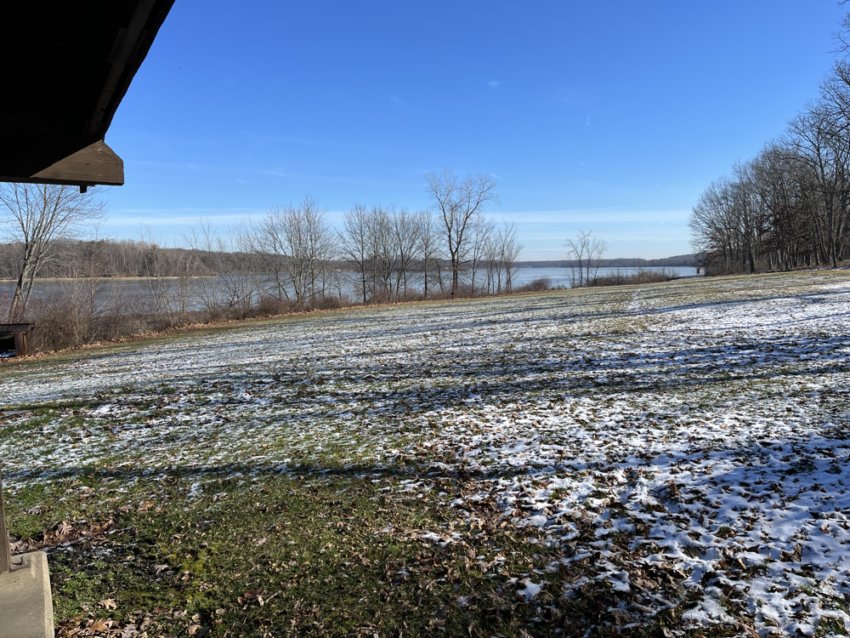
(67, 68)
(15, 337)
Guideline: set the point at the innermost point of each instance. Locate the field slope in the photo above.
(668, 459)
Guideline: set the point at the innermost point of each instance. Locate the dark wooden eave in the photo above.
(67, 67)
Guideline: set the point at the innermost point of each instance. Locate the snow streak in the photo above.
(698, 425)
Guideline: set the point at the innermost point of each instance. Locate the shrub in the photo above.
(641, 276)
(536, 285)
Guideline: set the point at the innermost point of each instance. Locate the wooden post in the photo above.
(5, 553)
(20, 345)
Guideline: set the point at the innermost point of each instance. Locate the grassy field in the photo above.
(659, 460)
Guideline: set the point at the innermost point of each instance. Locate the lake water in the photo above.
(137, 295)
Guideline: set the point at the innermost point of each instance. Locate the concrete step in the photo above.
(26, 605)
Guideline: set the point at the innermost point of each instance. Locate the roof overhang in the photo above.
(69, 65)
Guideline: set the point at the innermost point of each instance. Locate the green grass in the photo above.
(293, 555)
(324, 549)
(312, 549)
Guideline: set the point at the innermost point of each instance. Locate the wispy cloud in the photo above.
(493, 84)
(589, 116)
(305, 176)
(599, 216)
(199, 210)
(158, 217)
(395, 100)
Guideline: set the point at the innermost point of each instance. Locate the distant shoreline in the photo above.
(681, 261)
(620, 262)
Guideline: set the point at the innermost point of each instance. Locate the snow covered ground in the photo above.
(695, 431)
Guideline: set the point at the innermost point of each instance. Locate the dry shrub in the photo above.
(639, 277)
(56, 327)
(269, 306)
(536, 285)
(66, 319)
(328, 302)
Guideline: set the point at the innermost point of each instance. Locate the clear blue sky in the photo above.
(609, 117)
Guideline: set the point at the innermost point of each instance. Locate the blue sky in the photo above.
(609, 117)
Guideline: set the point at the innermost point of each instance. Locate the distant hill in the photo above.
(618, 262)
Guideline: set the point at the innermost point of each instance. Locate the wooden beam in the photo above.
(95, 164)
(58, 160)
(125, 42)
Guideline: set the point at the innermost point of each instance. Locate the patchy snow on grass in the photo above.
(697, 429)
(530, 591)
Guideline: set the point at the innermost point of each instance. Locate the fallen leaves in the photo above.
(108, 604)
(251, 595)
(82, 626)
(794, 556)
(648, 458)
(100, 625)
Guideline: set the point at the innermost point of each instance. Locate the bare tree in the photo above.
(300, 244)
(429, 247)
(457, 204)
(243, 280)
(713, 227)
(156, 270)
(493, 260)
(775, 177)
(823, 143)
(262, 240)
(204, 239)
(509, 250)
(481, 232)
(88, 265)
(322, 246)
(584, 252)
(405, 239)
(34, 217)
(354, 243)
(86, 297)
(381, 255)
(790, 205)
(382, 244)
(184, 267)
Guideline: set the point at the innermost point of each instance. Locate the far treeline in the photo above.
(684, 261)
(111, 258)
(790, 205)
